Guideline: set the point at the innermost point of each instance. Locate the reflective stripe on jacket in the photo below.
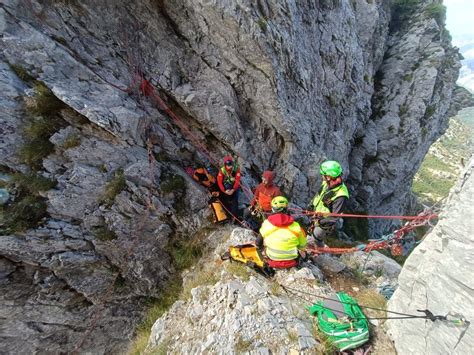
(322, 202)
(282, 242)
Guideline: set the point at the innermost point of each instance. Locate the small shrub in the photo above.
(292, 336)
(366, 78)
(119, 282)
(72, 141)
(44, 102)
(23, 214)
(241, 345)
(371, 298)
(430, 110)
(104, 234)
(28, 208)
(184, 253)
(438, 12)
(43, 123)
(403, 110)
(31, 184)
(275, 289)
(326, 346)
(174, 183)
(262, 23)
(158, 306)
(114, 187)
(408, 77)
(21, 73)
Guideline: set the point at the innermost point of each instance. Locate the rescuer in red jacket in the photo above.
(228, 180)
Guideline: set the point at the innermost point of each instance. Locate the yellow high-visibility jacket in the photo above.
(282, 237)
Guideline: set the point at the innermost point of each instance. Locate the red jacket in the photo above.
(264, 194)
(228, 176)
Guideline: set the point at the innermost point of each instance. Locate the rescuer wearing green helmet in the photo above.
(331, 198)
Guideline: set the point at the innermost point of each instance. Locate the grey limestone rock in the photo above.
(438, 276)
(281, 85)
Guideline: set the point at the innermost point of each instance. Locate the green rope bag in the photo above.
(346, 326)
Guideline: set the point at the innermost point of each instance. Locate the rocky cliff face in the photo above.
(282, 86)
(438, 276)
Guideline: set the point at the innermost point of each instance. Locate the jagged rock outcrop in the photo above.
(439, 276)
(282, 86)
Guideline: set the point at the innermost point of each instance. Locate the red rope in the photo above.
(321, 214)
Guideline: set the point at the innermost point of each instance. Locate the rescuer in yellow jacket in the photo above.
(282, 237)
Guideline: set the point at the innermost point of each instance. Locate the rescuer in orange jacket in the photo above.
(261, 204)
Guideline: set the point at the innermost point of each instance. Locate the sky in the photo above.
(460, 17)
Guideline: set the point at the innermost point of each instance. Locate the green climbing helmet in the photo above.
(331, 168)
(279, 204)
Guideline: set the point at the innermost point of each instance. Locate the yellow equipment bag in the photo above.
(218, 211)
(249, 255)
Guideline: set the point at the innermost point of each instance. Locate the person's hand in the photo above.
(229, 192)
(215, 193)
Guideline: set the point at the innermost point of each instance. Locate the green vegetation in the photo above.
(103, 233)
(326, 346)
(442, 164)
(44, 102)
(262, 23)
(239, 270)
(201, 277)
(408, 77)
(184, 252)
(173, 183)
(43, 122)
(156, 308)
(405, 5)
(430, 110)
(162, 348)
(28, 207)
(438, 12)
(241, 345)
(21, 73)
(371, 298)
(292, 336)
(116, 185)
(72, 141)
(402, 10)
(403, 110)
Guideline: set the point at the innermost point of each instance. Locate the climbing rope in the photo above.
(460, 321)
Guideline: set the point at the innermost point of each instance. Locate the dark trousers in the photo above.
(231, 204)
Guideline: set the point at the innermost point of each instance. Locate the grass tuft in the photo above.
(72, 141)
(104, 233)
(239, 270)
(200, 278)
(116, 185)
(22, 73)
(44, 102)
(28, 207)
(241, 345)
